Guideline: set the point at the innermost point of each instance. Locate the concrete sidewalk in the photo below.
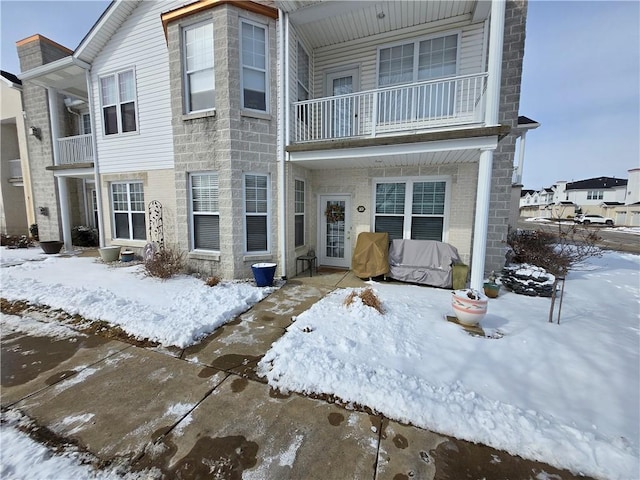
(204, 413)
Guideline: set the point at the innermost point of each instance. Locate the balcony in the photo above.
(75, 150)
(444, 103)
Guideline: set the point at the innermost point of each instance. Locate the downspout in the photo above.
(485, 165)
(96, 167)
(63, 191)
(283, 132)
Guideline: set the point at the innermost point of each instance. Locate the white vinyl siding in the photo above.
(299, 209)
(256, 208)
(127, 202)
(205, 215)
(140, 41)
(253, 59)
(411, 208)
(364, 52)
(198, 70)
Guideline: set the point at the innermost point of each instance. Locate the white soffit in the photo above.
(410, 154)
(330, 23)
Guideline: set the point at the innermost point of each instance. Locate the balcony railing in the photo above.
(15, 169)
(445, 102)
(77, 149)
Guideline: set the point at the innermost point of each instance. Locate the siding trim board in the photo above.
(203, 5)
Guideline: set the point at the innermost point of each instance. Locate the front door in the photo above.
(335, 231)
(343, 113)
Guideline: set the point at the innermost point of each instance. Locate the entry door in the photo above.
(335, 231)
(343, 110)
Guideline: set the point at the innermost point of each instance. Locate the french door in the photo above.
(335, 230)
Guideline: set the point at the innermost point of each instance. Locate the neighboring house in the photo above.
(617, 198)
(16, 205)
(265, 129)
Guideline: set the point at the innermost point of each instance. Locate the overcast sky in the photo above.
(581, 79)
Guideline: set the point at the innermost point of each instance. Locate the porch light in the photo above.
(34, 132)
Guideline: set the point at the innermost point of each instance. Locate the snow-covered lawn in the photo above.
(565, 394)
(178, 311)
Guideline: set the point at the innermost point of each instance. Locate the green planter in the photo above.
(109, 254)
(491, 289)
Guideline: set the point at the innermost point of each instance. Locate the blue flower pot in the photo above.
(263, 273)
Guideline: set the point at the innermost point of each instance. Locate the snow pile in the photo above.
(178, 311)
(566, 394)
(12, 256)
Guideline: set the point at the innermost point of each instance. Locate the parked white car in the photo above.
(598, 219)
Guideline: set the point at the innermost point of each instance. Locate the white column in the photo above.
(523, 137)
(494, 66)
(481, 222)
(63, 192)
(65, 217)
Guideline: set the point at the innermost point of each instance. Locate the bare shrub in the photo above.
(368, 298)
(165, 263)
(556, 253)
(213, 281)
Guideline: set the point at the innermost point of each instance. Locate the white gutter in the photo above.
(96, 166)
(485, 165)
(283, 121)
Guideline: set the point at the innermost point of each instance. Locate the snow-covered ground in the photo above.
(565, 394)
(178, 311)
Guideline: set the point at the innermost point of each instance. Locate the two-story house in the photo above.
(16, 206)
(264, 129)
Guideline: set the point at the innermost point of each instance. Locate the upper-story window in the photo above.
(118, 97)
(199, 81)
(253, 58)
(86, 124)
(303, 74)
(595, 194)
(417, 61)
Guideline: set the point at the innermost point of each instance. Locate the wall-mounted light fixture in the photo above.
(34, 132)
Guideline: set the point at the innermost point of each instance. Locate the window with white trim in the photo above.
(86, 124)
(595, 194)
(198, 71)
(412, 209)
(256, 207)
(205, 214)
(304, 78)
(128, 211)
(414, 62)
(253, 59)
(118, 100)
(299, 212)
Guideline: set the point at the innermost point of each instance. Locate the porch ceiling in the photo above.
(66, 75)
(392, 160)
(330, 23)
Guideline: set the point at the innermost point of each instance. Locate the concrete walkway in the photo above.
(204, 413)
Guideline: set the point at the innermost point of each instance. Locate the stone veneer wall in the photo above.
(35, 101)
(513, 53)
(231, 142)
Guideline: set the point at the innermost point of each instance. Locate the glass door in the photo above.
(335, 231)
(343, 112)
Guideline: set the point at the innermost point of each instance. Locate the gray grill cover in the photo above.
(423, 261)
